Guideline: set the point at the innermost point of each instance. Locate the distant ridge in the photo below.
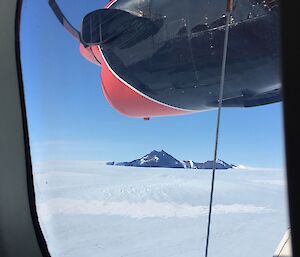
(208, 165)
(161, 159)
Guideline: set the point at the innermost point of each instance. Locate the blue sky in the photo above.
(69, 118)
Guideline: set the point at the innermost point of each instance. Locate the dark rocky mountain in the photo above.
(219, 165)
(207, 165)
(164, 160)
(154, 159)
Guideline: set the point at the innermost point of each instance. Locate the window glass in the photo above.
(109, 181)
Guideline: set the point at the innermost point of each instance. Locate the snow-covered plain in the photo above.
(91, 209)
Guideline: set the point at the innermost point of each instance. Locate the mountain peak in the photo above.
(155, 159)
(164, 160)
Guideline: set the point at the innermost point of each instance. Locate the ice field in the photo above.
(87, 208)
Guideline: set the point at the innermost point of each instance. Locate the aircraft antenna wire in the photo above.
(63, 20)
(221, 90)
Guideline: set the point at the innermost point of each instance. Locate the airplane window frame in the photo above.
(30, 183)
(292, 128)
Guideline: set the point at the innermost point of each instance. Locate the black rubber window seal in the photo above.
(30, 186)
